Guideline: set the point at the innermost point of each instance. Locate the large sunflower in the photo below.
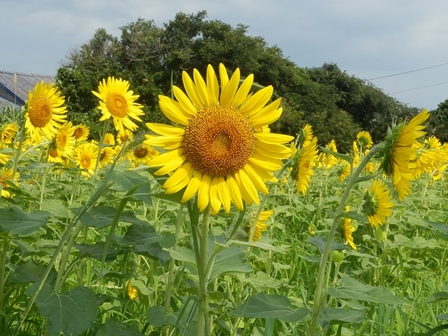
(222, 150)
(45, 112)
(118, 102)
(399, 152)
(377, 204)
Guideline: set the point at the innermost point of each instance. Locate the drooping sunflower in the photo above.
(348, 229)
(45, 111)
(221, 151)
(305, 162)
(65, 141)
(7, 175)
(377, 204)
(328, 160)
(399, 152)
(86, 155)
(81, 132)
(260, 225)
(8, 132)
(118, 102)
(364, 140)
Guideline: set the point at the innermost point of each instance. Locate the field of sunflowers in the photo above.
(213, 224)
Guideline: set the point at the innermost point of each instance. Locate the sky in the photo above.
(398, 46)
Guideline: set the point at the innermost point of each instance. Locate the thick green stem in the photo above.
(64, 258)
(169, 284)
(317, 302)
(3, 259)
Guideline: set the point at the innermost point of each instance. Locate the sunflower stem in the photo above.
(319, 291)
(200, 248)
(169, 284)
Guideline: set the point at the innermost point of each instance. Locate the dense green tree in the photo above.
(153, 59)
(438, 122)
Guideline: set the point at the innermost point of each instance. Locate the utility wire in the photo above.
(418, 88)
(406, 72)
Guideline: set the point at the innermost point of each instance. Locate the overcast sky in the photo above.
(365, 38)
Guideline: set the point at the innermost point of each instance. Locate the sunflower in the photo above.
(45, 112)
(118, 102)
(86, 157)
(107, 156)
(377, 204)
(65, 141)
(109, 139)
(221, 151)
(7, 175)
(306, 135)
(81, 132)
(399, 152)
(8, 132)
(328, 160)
(260, 226)
(364, 140)
(348, 229)
(305, 161)
(431, 155)
(142, 154)
(125, 136)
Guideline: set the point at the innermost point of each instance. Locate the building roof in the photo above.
(14, 86)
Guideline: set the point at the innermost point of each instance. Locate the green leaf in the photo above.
(102, 216)
(96, 251)
(355, 290)
(32, 272)
(70, 314)
(320, 242)
(441, 227)
(117, 328)
(158, 316)
(128, 179)
(262, 305)
(229, 260)
(436, 297)
(16, 221)
(330, 315)
(142, 239)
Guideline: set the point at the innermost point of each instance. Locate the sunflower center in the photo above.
(78, 133)
(61, 141)
(117, 105)
(218, 141)
(40, 111)
(140, 152)
(85, 162)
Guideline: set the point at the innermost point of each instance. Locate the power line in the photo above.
(406, 72)
(418, 88)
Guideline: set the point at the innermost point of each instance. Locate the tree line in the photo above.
(152, 58)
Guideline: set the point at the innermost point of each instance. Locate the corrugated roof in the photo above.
(14, 86)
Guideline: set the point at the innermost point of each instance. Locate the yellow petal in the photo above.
(192, 187)
(223, 193)
(190, 88)
(204, 192)
(235, 193)
(256, 180)
(170, 166)
(256, 102)
(201, 88)
(228, 91)
(184, 102)
(212, 85)
(215, 202)
(223, 76)
(248, 191)
(173, 111)
(243, 91)
(273, 138)
(178, 176)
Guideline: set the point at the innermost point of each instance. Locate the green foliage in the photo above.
(336, 104)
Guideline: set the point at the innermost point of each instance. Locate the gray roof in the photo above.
(14, 86)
